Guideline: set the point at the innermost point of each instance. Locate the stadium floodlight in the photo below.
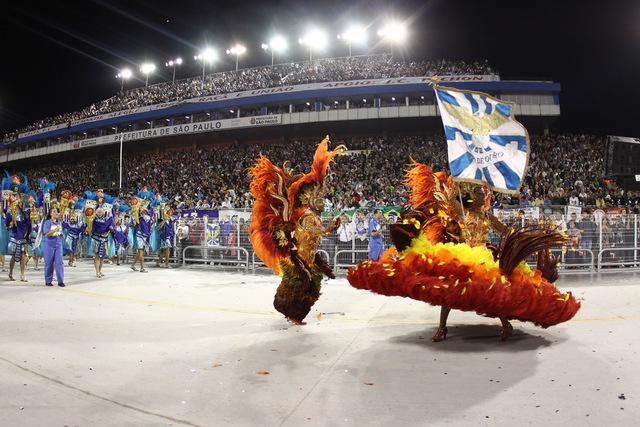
(146, 69)
(124, 74)
(277, 44)
(355, 34)
(173, 63)
(394, 33)
(314, 39)
(207, 55)
(236, 50)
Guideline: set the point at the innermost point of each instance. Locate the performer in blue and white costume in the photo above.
(35, 237)
(100, 230)
(166, 233)
(7, 184)
(74, 227)
(17, 221)
(142, 218)
(121, 235)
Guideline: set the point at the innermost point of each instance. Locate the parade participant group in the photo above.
(38, 225)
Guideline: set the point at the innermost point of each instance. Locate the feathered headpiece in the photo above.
(45, 185)
(108, 198)
(298, 191)
(30, 200)
(90, 195)
(7, 182)
(145, 194)
(80, 202)
(159, 199)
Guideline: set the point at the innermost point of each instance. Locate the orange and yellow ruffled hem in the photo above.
(465, 278)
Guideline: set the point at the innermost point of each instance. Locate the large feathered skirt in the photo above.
(465, 278)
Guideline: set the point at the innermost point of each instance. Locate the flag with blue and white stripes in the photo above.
(486, 145)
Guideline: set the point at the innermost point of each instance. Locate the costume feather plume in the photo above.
(270, 221)
(321, 160)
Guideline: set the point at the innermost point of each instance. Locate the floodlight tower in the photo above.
(355, 34)
(207, 55)
(394, 33)
(313, 39)
(124, 74)
(236, 50)
(147, 69)
(277, 44)
(173, 63)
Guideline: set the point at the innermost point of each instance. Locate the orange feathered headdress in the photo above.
(321, 161)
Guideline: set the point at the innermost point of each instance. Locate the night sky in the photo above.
(61, 56)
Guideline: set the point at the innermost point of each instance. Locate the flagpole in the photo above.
(120, 186)
(464, 214)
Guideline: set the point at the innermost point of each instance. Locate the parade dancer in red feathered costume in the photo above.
(286, 229)
(441, 256)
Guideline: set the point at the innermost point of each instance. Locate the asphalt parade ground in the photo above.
(196, 346)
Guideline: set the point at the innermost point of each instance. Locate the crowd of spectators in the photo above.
(563, 169)
(288, 74)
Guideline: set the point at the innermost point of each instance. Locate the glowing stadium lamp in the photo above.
(236, 50)
(146, 69)
(394, 33)
(173, 63)
(353, 35)
(208, 55)
(276, 44)
(123, 75)
(314, 39)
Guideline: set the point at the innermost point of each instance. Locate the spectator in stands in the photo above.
(588, 230)
(574, 235)
(182, 232)
(346, 234)
(574, 200)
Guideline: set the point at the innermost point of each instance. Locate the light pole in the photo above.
(123, 75)
(173, 63)
(277, 43)
(208, 55)
(353, 35)
(237, 50)
(146, 69)
(313, 39)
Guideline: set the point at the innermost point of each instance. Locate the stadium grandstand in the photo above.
(192, 140)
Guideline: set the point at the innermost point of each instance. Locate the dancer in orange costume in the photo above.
(441, 256)
(286, 229)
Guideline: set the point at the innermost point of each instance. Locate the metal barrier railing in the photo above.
(610, 247)
(614, 256)
(217, 255)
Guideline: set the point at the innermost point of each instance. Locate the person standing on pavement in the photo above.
(376, 245)
(52, 248)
